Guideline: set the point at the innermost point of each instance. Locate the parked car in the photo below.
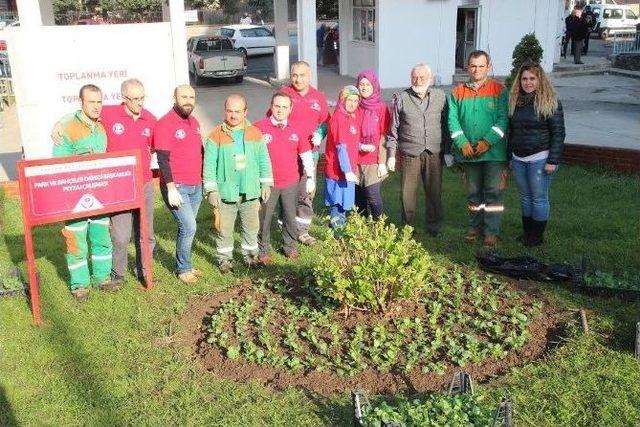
(215, 57)
(250, 39)
(614, 19)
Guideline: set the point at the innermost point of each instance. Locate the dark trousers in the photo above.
(121, 226)
(428, 167)
(577, 51)
(369, 200)
(585, 48)
(287, 198)
(484, 182)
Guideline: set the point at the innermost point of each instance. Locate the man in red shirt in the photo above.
(128, 127)
(178, 144)
(309, 114)
(285, 145)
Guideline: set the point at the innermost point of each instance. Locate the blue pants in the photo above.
(185, 216)
(533, 184)
(338, 216)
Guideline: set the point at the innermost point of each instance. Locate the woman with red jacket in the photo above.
(341, 156)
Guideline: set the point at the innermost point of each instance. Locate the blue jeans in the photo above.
(338, 216)
(185, 216)
(533, 184)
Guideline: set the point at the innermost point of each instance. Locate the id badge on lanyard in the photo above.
(241, 161)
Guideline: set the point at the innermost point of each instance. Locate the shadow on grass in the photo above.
(331, 410)
(7, 417)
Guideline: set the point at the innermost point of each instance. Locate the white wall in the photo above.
(414, 31)
(356, 56)
(50, 64)
(504, 22)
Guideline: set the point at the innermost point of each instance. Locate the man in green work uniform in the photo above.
(237, 174)
(83, 134)
(478, 118)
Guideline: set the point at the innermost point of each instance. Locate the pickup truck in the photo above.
(215, 57)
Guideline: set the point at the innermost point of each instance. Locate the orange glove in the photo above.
(467, 150)
(482, 147)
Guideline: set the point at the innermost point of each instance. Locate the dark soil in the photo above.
(543, 330)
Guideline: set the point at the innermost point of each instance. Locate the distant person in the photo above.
(178, 144)
(578, 30)
(536, 138)
(320, 33)
(329, 52)
(590, 18)
(83, 134)
(246, 19)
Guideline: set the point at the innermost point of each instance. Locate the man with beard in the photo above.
(83, 134)
(309, 114)
(478, 119)
(178, 144)
(418, 130)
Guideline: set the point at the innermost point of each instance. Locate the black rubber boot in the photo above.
(526, 230)
(537, 233)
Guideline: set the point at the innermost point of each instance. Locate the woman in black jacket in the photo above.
(536, 139)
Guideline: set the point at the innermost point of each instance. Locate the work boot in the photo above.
(265, 259)
(537, 232)
(188, 277)
(526, 230)
(197, 272)
(490, 241)
(307, 239)
(225, 266)
(113, 283)
(472, 235)
(292, 254)
(80, 294)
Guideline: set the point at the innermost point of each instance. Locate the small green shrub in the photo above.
(371, 265)
(528, 50)
(436, 410)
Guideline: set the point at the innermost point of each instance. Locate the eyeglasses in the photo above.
(140, 99)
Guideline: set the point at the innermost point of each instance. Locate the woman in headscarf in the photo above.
(536, 139)
(341, 155)
(372, 155)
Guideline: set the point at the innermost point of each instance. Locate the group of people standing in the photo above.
(250, 169)
(578, 27)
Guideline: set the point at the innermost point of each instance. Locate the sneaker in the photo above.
(265, 259)
(471, 235)
(292, 254)
(197, 272)
(80, 294)
(225, 267)
(112, 284)
(490, 241)
(187, 277)
(307, 239)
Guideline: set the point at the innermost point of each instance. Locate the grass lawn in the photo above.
(111, 361)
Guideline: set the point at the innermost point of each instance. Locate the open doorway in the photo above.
(466, 34)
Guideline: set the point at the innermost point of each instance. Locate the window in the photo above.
(248, 33)
(263, 32)
(612, 14)
(364, 20)
(227, 32)
(631, 15)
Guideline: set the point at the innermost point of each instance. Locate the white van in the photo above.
(612, 19)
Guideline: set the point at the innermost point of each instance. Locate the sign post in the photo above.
(62, 189)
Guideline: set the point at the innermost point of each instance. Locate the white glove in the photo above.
(175, 199)
(391, 164)
(382, 170)
(448, 160)
(350, 176)
(367, 148)
(316, 139)
(311, 185)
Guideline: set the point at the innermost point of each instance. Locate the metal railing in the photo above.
(626, 43)
(6, 84)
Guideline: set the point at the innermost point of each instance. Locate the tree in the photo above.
(528, 49)
(327, 9)
(230, 7)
